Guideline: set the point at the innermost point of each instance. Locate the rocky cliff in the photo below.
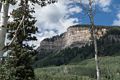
(108, 42)
(76, 36)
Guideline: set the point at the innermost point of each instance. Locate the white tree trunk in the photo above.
(3, 24)
(91, 16)
(96, 55)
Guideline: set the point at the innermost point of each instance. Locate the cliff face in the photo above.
(108, 42)
(76, 36)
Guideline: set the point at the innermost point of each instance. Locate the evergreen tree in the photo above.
(17, 66)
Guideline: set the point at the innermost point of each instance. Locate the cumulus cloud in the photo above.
(54, 19)
(116, 22)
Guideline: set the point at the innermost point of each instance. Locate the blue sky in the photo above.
(54, 19)
(106, 17)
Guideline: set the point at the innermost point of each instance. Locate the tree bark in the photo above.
(94, 38)
(3, 24)
(96, 52)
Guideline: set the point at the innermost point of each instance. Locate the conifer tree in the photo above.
(17, 65)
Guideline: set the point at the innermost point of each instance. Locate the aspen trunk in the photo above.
(96, 53)
(94, 38)
(3, 24)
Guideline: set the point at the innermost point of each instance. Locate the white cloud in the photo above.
(117, 21)
(118, 15)
(55, 17)
(76, 9)
(106, 9)
(103, 4)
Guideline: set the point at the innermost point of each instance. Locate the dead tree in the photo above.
(90, 12)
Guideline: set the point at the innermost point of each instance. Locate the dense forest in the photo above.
(20, 34)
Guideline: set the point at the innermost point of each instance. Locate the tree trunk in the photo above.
(94, 38)
(3, 24)
(96, 53)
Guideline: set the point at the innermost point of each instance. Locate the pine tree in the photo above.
(17, 65)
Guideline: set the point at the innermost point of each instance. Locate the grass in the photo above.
(84, 70)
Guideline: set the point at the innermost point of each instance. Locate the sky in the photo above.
(54, 19)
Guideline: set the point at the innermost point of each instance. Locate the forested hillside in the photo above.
(59, 39)
(108, 45)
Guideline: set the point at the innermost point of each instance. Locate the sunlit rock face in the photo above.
(76, 36)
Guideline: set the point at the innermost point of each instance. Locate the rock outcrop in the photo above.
(76, 36)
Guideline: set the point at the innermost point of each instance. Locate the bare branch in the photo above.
(15, 35)
(17, 31)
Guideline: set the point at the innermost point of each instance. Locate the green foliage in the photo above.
(65, 56)
(108, 45)
(18, 64)
(114, 31)
(46, 2)
(85, 70)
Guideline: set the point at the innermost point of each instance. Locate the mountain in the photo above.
(76, 36)
(75, 45)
